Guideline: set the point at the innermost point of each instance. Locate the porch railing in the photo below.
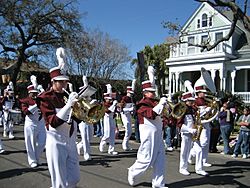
(245, 96)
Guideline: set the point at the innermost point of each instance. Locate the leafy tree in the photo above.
(155, 56)
(30, 28)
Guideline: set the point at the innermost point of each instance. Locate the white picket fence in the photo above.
(245, 96)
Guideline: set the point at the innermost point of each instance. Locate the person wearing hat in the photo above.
(61, 152)
(9, 103)
(200, 103)
(109, 124)
(127, 108)
(34, 127)
(187, 132)
(151, 152)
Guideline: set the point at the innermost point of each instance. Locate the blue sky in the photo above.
(136, 23)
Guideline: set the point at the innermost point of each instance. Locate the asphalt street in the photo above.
(106, 171)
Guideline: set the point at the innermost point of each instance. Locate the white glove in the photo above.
(163, 101)
(33, 108)
(208, 109)
(73, 97)
(192, 131)
(113, 106)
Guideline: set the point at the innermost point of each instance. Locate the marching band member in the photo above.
(34, 127)
(127, 107)
(187, 132)
(1, 113)
(8, 105)
(109, 124)
(151, 152)
(61, 151)
(86, 129)
(206, 131)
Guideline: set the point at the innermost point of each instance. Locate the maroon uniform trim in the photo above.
(25, 103)
(48, 102)
(145, 109)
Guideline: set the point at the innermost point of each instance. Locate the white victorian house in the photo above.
(228, 63)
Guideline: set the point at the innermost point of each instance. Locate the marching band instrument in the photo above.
(198, 126)
(177, 110)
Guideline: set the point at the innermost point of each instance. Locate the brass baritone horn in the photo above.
(177, 110)
(87, 112)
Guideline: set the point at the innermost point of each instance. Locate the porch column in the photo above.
(170, 76)
(174, 78)
(221, 80)
(233, 74)
(177, 74)
(213, 75)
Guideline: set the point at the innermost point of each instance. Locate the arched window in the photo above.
(204, 20)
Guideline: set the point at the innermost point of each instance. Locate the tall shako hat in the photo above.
(188, 96)
(59, 72)
(32, 89)
(108, 94)
(147, 86)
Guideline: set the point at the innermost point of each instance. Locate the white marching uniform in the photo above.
(8, 124)
(34, 131)
(187, 144)
(205, 140)
(109, 127)
(127, 122)
(86, 131)
(151, 152)
(61, 151)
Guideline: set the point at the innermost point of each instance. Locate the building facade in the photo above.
(228, 62)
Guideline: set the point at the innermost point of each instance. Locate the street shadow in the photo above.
(13, 152)
(19, 171)
(210, 180)
(102, 161)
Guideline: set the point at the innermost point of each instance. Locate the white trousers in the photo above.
(108, 133)
(151, 153)
(62, 159)
(205, 140)
(126, 120)
(86, 131)
(7, 123)
(35, 139)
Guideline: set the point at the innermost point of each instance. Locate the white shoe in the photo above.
(190, 161)
(127, 149)
(153, 186)
(201, 172)
(244, 156)
(184, 172)
(2, 151)
(101, 149)
(79, 146)
(207, 164)
(33, 165)
(234, 156)
(4, 134)
(170, 148)
(113, 152)
(88, 158)
(131, 180)
(11, 136)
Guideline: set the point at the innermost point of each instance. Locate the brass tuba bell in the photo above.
(87, 111)
(177, 110)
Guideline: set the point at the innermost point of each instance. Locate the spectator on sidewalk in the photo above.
(244, 135)
(226, 126)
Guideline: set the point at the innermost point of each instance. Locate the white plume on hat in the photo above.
(109, 88)
(188, 85)
(61, 58)
(10, 86)
(85, 80)
(133, 84)
(151, 72)
(33, 81)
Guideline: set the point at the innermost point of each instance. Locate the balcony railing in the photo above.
(244, 95)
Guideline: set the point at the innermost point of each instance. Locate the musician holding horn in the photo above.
(188, 131)
(151, 152)
(61, 151)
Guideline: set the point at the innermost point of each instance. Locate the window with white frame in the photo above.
(198, 23)
(204, 20)
(191, 48)
(218, 36)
